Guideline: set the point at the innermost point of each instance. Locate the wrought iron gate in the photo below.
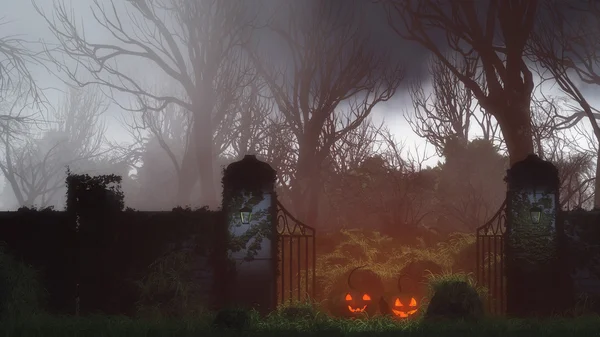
(490, 261)
(297, 258)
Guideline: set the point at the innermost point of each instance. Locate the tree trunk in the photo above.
(312, 200)
(305, 184)
(203, 139)
(515, 125)
(188, 176)
(597, 181)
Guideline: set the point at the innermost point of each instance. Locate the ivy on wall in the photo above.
(86, 195)
(244, 184)
(532, 245)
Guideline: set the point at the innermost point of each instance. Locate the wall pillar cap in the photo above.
(250, 173)
(533, 172)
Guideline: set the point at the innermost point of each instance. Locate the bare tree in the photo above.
(402, 200)
(356, 146)
(577, 168)
(159, 139)
(16, 58)
(566, 43)
(281, 150)
(543, 124)
(333, 72)
(558, 142)
(495, 37)
(194, 42)
(347, 154)
(252, 121)
(34, 160)
(576, 174)
(450, 108)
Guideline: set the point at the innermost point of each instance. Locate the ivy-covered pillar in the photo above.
(535, 276)
(94, 204)
(249, 203)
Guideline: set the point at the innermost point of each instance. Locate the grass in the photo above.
(21, 292)
(275, 325)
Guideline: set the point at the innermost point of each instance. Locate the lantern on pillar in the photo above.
(534, 266)
(245, 214)
(249, 183)
(536, 214)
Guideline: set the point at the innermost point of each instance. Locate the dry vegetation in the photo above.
(386, 257)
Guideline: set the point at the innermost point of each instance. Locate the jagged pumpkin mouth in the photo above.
(403, 314)
(355, 310)
(358, 309)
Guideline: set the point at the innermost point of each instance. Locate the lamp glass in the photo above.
(536, 214)
(245, 215)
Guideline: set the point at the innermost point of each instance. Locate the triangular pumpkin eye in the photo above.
(413, 302)
(366, 297)
(397, 303)
(348, 297)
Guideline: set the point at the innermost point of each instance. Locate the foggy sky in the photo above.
(25, 21)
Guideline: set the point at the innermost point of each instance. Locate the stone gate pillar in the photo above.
(249, 203)
(534, 275)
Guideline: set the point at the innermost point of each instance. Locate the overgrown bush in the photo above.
(21, 293)
(454, 296)
(388, 258)
(169, 289)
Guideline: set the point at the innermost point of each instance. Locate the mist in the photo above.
(327, 106)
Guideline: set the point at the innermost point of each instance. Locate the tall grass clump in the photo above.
(22, 294)
(454, 296)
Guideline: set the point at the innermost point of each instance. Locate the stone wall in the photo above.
(582, 229)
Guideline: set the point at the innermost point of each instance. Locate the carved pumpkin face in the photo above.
(400, 304)
(360, 298)
(357, 303)
(403, 306)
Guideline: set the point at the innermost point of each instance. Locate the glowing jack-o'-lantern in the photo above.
(364, 287)
(402, 310)
(399, 305)
(357, 305)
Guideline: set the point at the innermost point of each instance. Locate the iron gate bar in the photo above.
(281, 272)
(300, 232)
(491, 234)
(298, 259)
(291, 271)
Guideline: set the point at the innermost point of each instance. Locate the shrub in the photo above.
(21, 292)
(454, 296)
(387, 257)
(169, 289)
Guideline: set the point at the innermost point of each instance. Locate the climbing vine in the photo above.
(532, 244)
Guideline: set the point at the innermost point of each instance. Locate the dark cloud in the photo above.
(370, 17)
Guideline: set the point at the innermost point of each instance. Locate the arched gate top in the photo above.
(287, 225)
(496, 225)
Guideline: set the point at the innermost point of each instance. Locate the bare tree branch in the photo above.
(330, 88)
(493, 36)
(449, 110)
(34, 162)
(568, 50)
(194, 43)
